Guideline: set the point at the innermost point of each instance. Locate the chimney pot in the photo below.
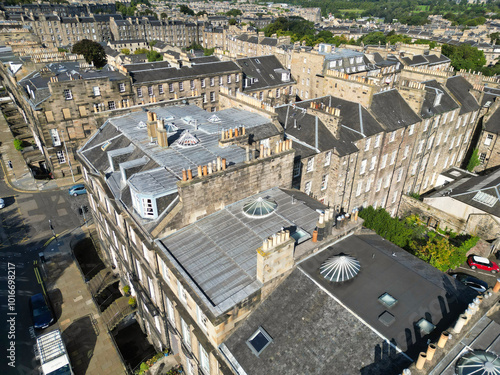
(199, 171)
(264, 245)
(315, 236)
(431, 349)
(421, 361)
(236, 132)
(205, 170)
(219, 163)
(223, 164)
(184, 175)
(443, 339)
(209, 167)
(190, 174)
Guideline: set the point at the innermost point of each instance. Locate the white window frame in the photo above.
(68, 95)
(310, 165)
(96, 90)
(328, 158)
(56, 140)
(324, 182)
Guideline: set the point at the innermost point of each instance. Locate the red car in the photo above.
(482, 263)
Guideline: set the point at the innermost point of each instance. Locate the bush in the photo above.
(132, 302)
(474, 160)
(18, 144)
(126, 289)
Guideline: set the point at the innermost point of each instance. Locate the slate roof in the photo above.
(196, 70)
(301, 127)
(392, 111)
(459, 88)
(267, 70)
(466, 188)
(333, 328)
(218, 253)
(493, 123)
(446, 104)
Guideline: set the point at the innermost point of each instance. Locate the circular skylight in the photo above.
(187, 139)
(259, 207)
(478, 362)
(340, 268)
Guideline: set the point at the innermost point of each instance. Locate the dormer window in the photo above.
(147, 207)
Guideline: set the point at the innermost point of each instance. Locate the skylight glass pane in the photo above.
(387, 300)
(259, 341)
(425, 326)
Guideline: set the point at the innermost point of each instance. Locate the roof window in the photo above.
(259, 341)
(386, 318)
(486, 199)
(105, 145)
(387, 300)
(187, 139)
(425, 326)
(340, 268)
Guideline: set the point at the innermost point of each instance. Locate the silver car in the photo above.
(2, 203)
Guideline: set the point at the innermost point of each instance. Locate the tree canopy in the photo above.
(93, 52)
(464, 56)
(186, 10)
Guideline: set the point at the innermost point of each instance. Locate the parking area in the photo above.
(486, 276)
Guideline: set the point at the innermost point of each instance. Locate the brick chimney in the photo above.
(161, 133)
(330, 116)
(151, 124)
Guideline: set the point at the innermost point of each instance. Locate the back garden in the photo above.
(443, 249)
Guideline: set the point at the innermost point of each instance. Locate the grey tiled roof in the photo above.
(459, 88)
(392, 111)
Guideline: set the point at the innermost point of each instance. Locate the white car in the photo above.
(2, 203)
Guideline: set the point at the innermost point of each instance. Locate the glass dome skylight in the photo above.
(478, 362)
(187, 139)
(340, 268)
(259, 208)
(170, 127)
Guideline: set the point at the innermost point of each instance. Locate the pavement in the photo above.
(90, 347)
(19, 177)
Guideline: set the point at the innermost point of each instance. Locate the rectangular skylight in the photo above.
(259, 341)
(486, 199)
(387, 300)
(425, 326)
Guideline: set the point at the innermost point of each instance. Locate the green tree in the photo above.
(154, 56)
(138, 51)
(437, 252)
(93, 52)
(232, 21)
(208, 51)
(125, 51)
(234, 13)
(186, 10)
(474, 160)
(464, 56)
(18, 144)
(163, 15)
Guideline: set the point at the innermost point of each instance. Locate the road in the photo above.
(24, 229)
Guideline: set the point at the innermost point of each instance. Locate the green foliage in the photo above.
(186, 10)
(18, 144)
(125, 51)
(194, 46)
(234, 13)
(474, 160)
(163, 15)
(132, 301)
(138, 51)
(464, 56)
(154, 56)
(201, 13)
(145, 366)
(126, 289)
(92, 51)
(129, 11)
(414, 195)
(232, 21)
(412, 235)
(60, 49)
(153, 43)
(208, 51)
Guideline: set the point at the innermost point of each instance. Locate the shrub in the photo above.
(132, 301)
(126, 289)
(18, 144)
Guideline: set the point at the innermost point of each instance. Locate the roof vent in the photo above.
(259, 208)
(478, 362)
(142, 125)
(187, 139)
(340, 268)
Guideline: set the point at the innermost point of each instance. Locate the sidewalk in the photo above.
(89, 346)
(19, 176)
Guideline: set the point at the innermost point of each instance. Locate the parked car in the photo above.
(2, 203)
(41, 313)
(475, 261)
(471, 281)
(77, 190)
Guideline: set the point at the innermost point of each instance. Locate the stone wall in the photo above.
(412, 206)
(208, 194)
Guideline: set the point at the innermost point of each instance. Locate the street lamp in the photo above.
(67, 155)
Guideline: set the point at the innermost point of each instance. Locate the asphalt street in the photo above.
(24, 230)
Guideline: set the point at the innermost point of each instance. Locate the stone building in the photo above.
(351, 155)
(266, 79)
(184, 77)
(160, 184)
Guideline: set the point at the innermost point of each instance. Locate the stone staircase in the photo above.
(116, 312)
(101, 281)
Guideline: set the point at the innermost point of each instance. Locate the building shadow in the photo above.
(56, 300)
(80, 338)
